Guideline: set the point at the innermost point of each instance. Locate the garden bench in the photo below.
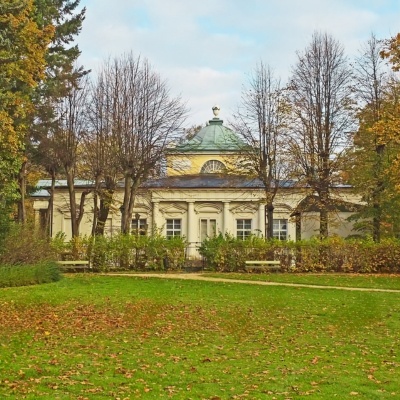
(263, 265)
(74, 264)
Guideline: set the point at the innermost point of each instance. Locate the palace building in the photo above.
(201, 196)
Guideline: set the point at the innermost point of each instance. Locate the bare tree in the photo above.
(68, 134)
(260, 122)
(320, 92)
(100, 147)
(142, 118)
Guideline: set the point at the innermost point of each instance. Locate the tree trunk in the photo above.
(323, 215)
(22, 192)
(323, 227)
(269, 228)
(103, 212)
(377, 195)
(125, 206)
(72, 203)
(49, 215)
(376, 220)
(106, 200)
(129, 202)
(81, 209)
(95, 211)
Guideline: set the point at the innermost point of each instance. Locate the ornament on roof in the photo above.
(216, 110)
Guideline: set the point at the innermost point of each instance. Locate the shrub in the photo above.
(23, 275)
(131, 252)
(5, 223)
(174, 253)
(26, 245)
(334, 254)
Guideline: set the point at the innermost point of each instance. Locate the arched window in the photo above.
(212, 166)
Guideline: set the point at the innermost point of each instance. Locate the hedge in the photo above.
(228, 254)
(126, 252)
(24, 275)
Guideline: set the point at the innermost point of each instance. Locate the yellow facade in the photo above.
(191, 164)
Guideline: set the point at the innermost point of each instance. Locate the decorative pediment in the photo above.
(208, 208)
(172, 209)
(141, 207)
(245, 208)
(282, 207)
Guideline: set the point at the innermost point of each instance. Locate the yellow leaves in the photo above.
(22, 52)
(392, 52)
(25, 56)
(315, 360)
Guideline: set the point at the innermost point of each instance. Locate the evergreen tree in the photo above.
(61, 76)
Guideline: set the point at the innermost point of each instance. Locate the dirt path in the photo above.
(200, 277)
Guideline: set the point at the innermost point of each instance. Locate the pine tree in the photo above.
(61, 76)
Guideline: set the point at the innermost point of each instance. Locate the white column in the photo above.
(261, 219)
(225, 216)
(155, 222)
(191, 229)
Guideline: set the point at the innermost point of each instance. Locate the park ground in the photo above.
(117, 337)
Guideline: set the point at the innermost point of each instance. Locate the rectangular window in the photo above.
(208, 228)
(139, 226)
(280, 229)
(243, 228)
(174, 228)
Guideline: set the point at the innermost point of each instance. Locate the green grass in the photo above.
(101, 337)
(376, 281)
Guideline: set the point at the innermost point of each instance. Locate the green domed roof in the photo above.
(214, 137)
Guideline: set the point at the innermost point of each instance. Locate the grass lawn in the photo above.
(102, 337)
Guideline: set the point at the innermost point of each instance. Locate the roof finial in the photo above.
(216, 110)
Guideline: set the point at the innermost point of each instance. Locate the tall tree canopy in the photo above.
(62, 75)
(260, 122)
(23, 45)
(392, 52)
(320, 92)
(375, 150)
(391, 127)
(137, 110)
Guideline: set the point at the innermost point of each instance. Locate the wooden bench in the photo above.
(263, 265)
(74, 264)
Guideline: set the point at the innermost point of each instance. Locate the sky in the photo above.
(206, 50)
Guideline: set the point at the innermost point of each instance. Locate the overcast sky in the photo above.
(206, 49)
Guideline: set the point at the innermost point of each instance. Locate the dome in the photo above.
(214, 137)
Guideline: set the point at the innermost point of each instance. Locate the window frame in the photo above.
(142, 229)
(244, 227)
(211, 228)
(175, 230)
(278, 232)
(212, 167)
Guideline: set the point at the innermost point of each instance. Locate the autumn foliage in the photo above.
(228, 254)
(125, 252)
(22, 55)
